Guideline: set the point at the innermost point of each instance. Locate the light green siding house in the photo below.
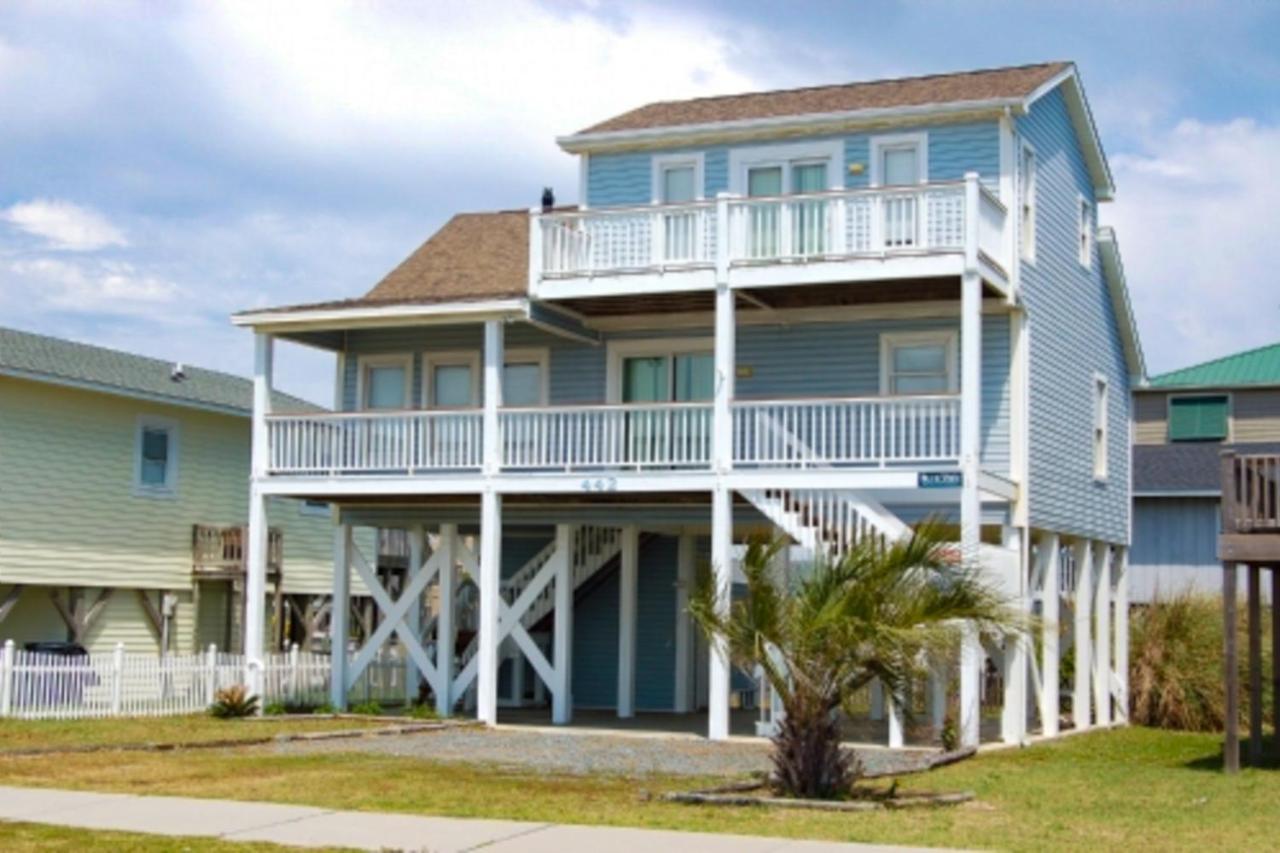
(108, 463)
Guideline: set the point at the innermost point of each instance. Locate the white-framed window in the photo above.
(918, 363)
(451, 380)
(798, 167)
(525, 378)
(677, 178)
(318, 508)
(1027, 202)
(383, 382)
(1100, 438)
(661, 370)
(155, 465)
(900, 159)
(1084, 228)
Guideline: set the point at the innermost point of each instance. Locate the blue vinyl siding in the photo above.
(815, 359)
(1073, 334)
(1175, 547)
(627, 178)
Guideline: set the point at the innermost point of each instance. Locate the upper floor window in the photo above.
(384, 382)
(156, 462)
(677, 178)
(452, 380)
(1100, 427)
(899, 160)
(918, 363)
(1084, 224)
(524, 378)
(1027, 205)
(1198, 417)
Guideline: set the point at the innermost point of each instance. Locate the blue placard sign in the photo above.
(940, 479)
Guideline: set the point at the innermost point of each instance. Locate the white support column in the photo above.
(628, 587)
(1102, 632)
(1050, 703)
(490, 577)
(562, 690)
(683, 697)
(1121, 584)
(970, 687)
(938, 696)
(255, 594)
(340, 613)
(446, 631)
(895, 723)
(1083, 631)
(970, 379)
(722, 567)
(725, 348)
(493, 359)
(413, 617)
(1013, 718)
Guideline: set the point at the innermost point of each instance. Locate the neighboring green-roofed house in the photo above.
(1182, 421)
(123, 491)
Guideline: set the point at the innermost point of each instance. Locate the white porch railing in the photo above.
(812, 226)
(630, 436)
(869, 431)
(375, 441)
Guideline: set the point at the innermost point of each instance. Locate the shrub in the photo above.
(372, 709)
(324, 708)
(275, 709)
(422, 711)
(234, 701)
(1175, 668)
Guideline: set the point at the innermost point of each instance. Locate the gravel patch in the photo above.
(574, 753)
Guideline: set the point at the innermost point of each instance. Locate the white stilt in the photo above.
(339, 615)
(684, 664)
(413, 616)
(970, 382)
(487, 633)
(562, 642)
(970, 687)
(628, 588)
(1083, 631)
(938, 696)
(1050, 552)
(255, 592)
(446, 629)
(895, 723)
(722, 567)
(1013, 718)
(1102, 632)
(1121, 584)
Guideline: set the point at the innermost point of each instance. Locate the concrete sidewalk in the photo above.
(304, 826)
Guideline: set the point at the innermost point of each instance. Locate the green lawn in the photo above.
(196, 729)
(24, 837)
(1134, 788)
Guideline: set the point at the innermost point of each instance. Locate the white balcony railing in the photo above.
(867, 432)
(375, 441)
(844, 224)
(848, 432)
(636, 437)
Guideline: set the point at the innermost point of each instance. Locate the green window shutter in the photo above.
(1198, 418)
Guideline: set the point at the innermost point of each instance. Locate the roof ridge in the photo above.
(1218, 360)
(874, 82)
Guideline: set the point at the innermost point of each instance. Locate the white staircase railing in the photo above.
(826, 522)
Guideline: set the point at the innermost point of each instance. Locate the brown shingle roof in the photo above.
(876, 94)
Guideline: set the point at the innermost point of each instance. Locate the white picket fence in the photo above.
(37, 686)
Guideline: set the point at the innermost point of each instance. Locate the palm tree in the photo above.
(875, 613)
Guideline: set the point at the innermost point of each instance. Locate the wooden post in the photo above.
(970, 722)
(487, 630)
(1255, 665)
(6, 679)
(117, 679)
(562, 627)
(413, 617)
(684, 664)
(339, 614)
(1102, 633)
(722, 568)
(1121, 603)
(1051, 633)
(211, 673)
(1230, 672)
(628, 588)
(1083, 636)
(446, 629)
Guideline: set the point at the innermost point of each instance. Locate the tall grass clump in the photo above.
(1175, 663)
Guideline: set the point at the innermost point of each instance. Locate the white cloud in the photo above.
(1195, 216)
(53, 284)
(64, 225)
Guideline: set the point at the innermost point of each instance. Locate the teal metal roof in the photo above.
(1259, 366)
(46, 359)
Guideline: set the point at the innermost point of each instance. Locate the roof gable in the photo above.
(1259, 366)
(41, 358)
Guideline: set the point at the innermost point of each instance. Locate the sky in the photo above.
(165, 165)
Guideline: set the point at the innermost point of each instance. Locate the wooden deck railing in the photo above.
(222, 549)
(1250, 493)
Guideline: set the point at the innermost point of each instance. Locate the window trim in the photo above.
(1027, 236)
(896, 140)
(1085, 226)
(1168, 416)
(1100, 429)
(542, 357)
(169, 490)
(670, 347)
(662, 162)
(305, 508)
(830, 151)
(949, 338)
(399, 359)
(431, 359)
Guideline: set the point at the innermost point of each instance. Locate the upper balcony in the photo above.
(810, 238)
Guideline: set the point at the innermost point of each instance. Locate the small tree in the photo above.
(876, 613)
